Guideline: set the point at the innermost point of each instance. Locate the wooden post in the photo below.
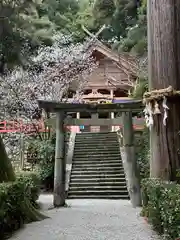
(94, 117)
(78, 115)
(129, 160)
(60, 165)
(112, 117)
(21, 151)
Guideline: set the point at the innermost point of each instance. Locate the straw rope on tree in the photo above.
(156, 103)
(156, 95)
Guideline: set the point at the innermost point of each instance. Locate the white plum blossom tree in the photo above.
(53, 71)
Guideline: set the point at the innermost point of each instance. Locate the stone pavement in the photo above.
(89, 220)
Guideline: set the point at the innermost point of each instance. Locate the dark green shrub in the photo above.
(46, 157)
(142, 152)
(33, 183)
(15, 202)
(45, 153)
(12, 213)
(161, 204)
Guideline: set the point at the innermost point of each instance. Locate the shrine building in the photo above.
(110, 82)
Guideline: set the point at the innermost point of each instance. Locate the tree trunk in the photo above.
(6, 169)
(2, 65)
(164, 63)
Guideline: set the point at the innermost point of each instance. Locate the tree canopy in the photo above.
(26, 25)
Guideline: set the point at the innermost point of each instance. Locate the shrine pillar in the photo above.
(112, 113)
(77, 128)
(94, 117)
(112, 117)
(112, 93)
(78, 115)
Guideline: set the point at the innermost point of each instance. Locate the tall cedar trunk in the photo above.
(6, 169)
(164, 63)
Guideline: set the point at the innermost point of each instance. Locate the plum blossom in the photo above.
(53, 71)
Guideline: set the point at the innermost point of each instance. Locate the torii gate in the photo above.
(127, 152)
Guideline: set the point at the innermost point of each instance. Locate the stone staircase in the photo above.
(97, 170)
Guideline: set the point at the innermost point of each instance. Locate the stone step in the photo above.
(96, 187)
(97, 160)
(98, 192)
(92, 146)
(102, 190)
(99, 148)
(110, 145)
(98, 169)
(105, 132)
(94, 143)
(100, 140)
(101, 183)
(117, 159)
(113, 196)
(81, 136)
(98, 163)
(97, 151)
(96, 175)
(96, 155)
(101, 180)
(97, 144)
(86, 164)
(96, 134)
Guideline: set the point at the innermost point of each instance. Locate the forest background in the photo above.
(27, 25)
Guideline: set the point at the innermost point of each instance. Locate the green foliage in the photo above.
(84, 17)
(45, 153)
(117, 15)
(143, 153)
(135, 41)
(141, 88)
(103, 10)
(15, 202)
(33, 181)
(25, 25)
(46, 157)
(161, 204)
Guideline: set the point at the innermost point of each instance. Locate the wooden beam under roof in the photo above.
(138, 122)
(53, 106)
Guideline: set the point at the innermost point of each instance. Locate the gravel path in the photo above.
(89, 220)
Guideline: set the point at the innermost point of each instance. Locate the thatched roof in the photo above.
(125, 61)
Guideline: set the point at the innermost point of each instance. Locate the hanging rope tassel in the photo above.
(151, 121)
(165, 107)
(156, 108)
(148, 116)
